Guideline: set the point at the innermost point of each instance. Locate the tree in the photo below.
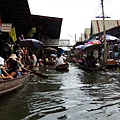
(31, 32)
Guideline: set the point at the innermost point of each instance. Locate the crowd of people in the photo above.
(14, 58)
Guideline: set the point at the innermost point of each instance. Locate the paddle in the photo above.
(38, 74)
(76, 61)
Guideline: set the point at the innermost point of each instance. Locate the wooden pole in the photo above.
(104, 31)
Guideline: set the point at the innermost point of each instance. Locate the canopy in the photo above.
(90, 48)
(50, 50)
(31, 43)
(109, 37)
(94, 42)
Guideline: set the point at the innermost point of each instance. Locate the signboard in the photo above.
(57, 42)
(51, 42)
(6, 27)
(64, 42)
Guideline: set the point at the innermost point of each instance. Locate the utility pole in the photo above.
(104, 31)
(75, 38)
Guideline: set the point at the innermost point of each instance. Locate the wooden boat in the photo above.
(83, 67)
(91, 69)
(62, 67)
(50, 63)
(111, 63)
(10, 85)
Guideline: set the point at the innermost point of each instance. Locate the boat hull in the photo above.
(111, 64)
(91, 69)
(62, 67)
(10, 85)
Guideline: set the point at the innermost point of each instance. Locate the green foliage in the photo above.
(31, 32)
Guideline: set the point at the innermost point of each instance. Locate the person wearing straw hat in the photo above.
(13, 56)
(20, 66)
(21, 70)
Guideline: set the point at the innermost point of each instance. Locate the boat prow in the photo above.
(10, 85)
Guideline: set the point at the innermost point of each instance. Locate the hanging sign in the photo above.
(6, 27)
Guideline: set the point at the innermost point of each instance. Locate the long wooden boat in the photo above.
(83, 67)
(10, 85)
(62, 67)
(91, 69)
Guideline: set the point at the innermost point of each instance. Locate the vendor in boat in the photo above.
(90, 60)
(60, 60)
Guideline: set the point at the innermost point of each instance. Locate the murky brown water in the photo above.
(72, 95)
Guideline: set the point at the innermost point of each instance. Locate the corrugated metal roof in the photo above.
(87, 30)
(97, 25)
(18, 13)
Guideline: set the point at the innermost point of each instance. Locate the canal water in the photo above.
(70, 95)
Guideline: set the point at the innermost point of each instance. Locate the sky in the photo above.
(76, 14)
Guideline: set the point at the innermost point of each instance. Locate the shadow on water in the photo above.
(68, 95)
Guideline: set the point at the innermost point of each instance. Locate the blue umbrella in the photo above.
(60, 51)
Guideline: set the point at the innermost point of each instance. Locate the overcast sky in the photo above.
(76, 14)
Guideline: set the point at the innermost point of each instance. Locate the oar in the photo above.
(38, 74)
(76, 61)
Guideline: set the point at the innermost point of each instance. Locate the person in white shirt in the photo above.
(32, 58)
(60, 60)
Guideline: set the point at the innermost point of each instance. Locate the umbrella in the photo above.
(31, 43)
(109, 37)
(50, 50)
(60, 50)
(82, 47)
(91, 47)
(94, 42)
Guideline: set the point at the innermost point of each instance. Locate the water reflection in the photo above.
(71, 95)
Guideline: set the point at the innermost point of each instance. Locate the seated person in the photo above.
(21, 70)
(12, 68)
(90, 60)
(3, 73)
(59, 60)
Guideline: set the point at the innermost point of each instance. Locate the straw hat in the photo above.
(1, 61)
(13, 56)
